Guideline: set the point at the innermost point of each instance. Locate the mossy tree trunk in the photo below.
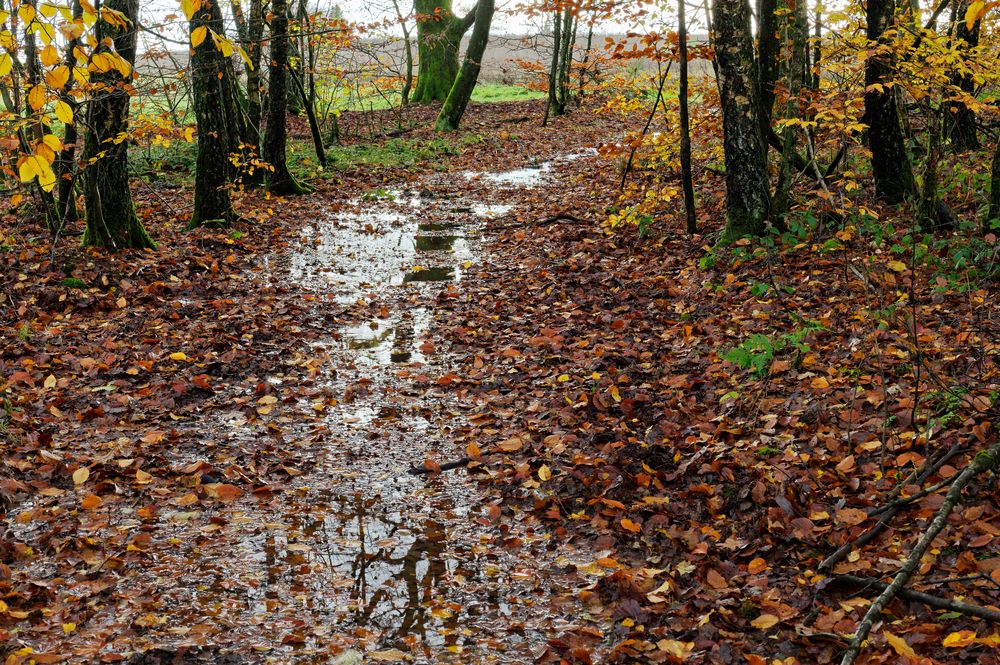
(111, 218)
(212, 204)
(458, 99)
(439, 38)
(890, 160)
(748, 199)
(279, 178)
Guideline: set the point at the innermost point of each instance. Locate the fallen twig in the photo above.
(937, 602)
(986, 459)
(447, 466)
(929, 468)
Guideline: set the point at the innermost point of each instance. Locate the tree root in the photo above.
(985, 460)
(936, 602)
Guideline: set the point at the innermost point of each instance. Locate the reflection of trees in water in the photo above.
(394, 581)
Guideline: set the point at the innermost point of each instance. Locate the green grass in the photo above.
(484, 92)
(496, 92)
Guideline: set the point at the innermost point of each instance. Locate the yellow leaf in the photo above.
(46, 31)
(962, 638)
(49, 55)
(27, 13)
(64, 112)
(899, 645)
(563, 378)
(47, 10)
(58, 77)
(189, 7)
(50, 382)
(69, 627)
(6, 63)
(179, 355)
(897, 266)
(36, 97)
(246, 59)
(544, 472)
(53, 142)
(198, 36)
(224, 45)
(80, 475)
(974, 13)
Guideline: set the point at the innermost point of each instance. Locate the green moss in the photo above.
(73, 283)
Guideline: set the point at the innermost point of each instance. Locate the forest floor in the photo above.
(208, 448)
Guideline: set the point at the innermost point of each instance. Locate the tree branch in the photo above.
(987, 459)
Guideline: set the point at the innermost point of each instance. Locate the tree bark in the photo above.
(111, 218)
(458, 99)
(552, 105)
(687, 180)
(748, 199)
(212, 204)
(796, 31)
(890, 161)
(279, 178)
(67, 158)
(439, 38)
(768, 45)
(961, 120)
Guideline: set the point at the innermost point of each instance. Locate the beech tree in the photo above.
(461, 92)
(111, 217)
(439, 39)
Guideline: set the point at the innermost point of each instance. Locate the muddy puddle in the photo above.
(396, 567)
(345, 557)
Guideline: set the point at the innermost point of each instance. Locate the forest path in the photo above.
(294, 533)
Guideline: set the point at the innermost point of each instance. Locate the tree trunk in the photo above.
(439, 38)
(67, 158)
(552, 105)
(566, 57)
(890, 161)
(458, 99)
(748, 199)
(768, 46)
(993, 216)
(687, 181)
(279, 178)
(796, 30)
(309, 104)
(111, 218)
(961, 120)
(407, 52)
(255, 34)
(212, 204)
